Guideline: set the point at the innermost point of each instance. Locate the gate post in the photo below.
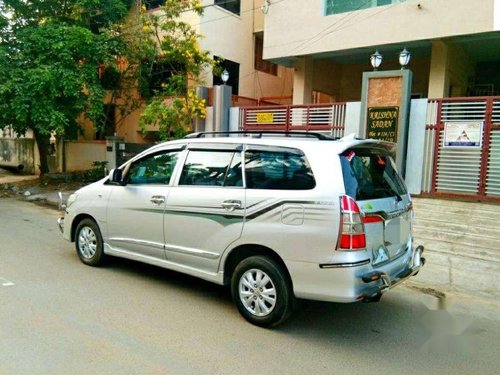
(485, 152)
(222, 103)
(113, 146)
(437, 135)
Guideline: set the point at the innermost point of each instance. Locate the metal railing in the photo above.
(470, 172)
(324, 118)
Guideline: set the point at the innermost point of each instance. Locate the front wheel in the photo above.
(89, 245)
(262, 291)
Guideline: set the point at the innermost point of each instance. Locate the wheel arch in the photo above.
(245, 251)
(77, 220)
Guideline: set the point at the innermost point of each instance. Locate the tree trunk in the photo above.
(42, 142)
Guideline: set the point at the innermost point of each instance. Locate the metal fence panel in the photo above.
(324, 118)
(463, 171)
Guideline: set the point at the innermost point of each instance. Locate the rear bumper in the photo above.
(358, 281)
(379, 281)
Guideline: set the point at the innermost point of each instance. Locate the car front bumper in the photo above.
(60, 224)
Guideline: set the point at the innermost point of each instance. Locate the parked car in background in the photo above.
(274, 216)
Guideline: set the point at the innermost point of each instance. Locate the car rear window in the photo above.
(370, 174)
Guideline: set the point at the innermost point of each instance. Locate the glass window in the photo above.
(341, 6)
(369, 174)
(260, 64)
(231, 5)
(212, 168)
(154, 169)
(281, 170)
(233, 68)
(153, 4)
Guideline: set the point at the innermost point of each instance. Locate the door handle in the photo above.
(231, 205)
(157, 199)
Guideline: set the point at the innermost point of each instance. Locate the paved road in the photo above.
(58, 316)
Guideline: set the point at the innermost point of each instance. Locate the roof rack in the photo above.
(261, 133)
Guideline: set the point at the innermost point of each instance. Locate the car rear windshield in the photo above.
(370, 174)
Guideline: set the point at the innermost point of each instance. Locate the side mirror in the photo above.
(116, 176)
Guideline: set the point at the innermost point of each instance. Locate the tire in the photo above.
(88, 243)
(262, 291)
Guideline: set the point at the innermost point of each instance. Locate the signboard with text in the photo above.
(265, 117)
(463, 134)
(382, 123)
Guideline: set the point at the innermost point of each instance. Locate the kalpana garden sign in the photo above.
(382, 123)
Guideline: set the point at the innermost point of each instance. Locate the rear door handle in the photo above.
(231, 205)
(157, 199)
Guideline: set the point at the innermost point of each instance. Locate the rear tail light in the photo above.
(352, 230)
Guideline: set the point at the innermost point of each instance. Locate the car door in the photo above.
(135, 210)
(205, 211)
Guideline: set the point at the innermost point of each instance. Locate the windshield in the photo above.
(370, 174)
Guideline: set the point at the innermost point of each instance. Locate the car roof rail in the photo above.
(262, 133)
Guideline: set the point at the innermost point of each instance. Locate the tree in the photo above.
(50, 55)
(177, 66)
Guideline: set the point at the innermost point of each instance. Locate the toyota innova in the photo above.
(274, 216)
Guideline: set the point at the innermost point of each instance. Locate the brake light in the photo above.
(372, 219)
(352, 230)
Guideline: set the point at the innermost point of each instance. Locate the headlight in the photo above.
(71, 199)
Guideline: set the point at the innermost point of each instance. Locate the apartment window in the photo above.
(260, 64)
(233, 69)
(231, 5)
(342, 6)
(153, 4)
(108, 128)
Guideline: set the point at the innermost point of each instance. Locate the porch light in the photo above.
(376, 60)
(404, 58)
(224, 76)
(265, 7)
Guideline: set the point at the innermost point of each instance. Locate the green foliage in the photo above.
(50, 55)
(173, 105)
(97, 171)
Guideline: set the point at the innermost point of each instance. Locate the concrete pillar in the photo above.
(221, 105)
(114, 145)
(302, 81)
(439, 80)
(200, 123)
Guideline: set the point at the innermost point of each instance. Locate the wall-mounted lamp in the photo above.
(376, 60)
(404, 58)
(224, 76)
(265, 7)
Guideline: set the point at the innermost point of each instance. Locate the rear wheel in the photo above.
(88, 242)
(262, 291)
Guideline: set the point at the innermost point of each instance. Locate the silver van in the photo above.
(274, 216)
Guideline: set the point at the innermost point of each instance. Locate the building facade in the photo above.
(232, 31)
(455, 44)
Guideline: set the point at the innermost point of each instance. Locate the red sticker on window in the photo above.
(350, 155)
(380, 161)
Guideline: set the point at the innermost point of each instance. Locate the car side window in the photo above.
(280, 170)
(212, 168)
(153, 169)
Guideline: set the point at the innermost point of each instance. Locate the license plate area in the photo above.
(380, 256)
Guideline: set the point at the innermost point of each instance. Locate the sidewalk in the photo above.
(7, 177)
(30, 188)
